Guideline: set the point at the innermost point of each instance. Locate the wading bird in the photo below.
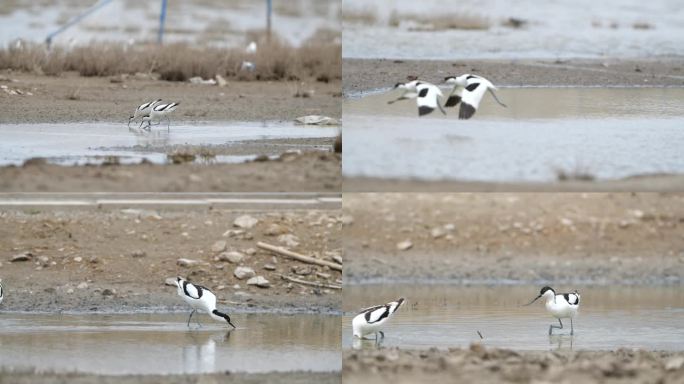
(427, 96)
(200, 299)
(2, 294)
(158, 112)
(142, 110)
(560, 306)
(468, 90)
(371, 320)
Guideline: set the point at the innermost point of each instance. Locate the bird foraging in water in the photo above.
(157, 112)
(200, 299)
(371, 320)
(560, 306)
(143, 110)
(468, 90)
(427, 96)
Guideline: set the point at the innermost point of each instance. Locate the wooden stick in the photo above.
(297, 256)
(311, 283)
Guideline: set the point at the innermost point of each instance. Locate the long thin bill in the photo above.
(530, 303)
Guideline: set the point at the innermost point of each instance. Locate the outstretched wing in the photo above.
(428, 98)
(472, 95)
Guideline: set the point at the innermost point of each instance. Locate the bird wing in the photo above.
(454, 97)
(472, 94)
(428, 98)
(379, 312)
(572, 298)
(193, 291)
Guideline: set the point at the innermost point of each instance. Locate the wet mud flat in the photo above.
(493, 365)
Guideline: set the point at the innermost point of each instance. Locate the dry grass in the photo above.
(275, 60)
(579, 173)
(365, 16)
(440, 22)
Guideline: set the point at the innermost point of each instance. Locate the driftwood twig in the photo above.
(311, 283)
(297, 256)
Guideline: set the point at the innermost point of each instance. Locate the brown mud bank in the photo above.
(109, 260)
(491, 365)
(363, 75)
(309, 171)
(600, 238)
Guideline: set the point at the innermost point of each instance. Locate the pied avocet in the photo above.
(560, 306)
(427, 96)
(371, 320)
(157, 112)
(468, 90)
(200, 299)
(143, 110)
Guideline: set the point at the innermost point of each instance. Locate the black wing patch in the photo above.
(472, 87)
(471, 77)
(424, 110)
(423, 92)
(571, 298)
(200, 290)
(385, 313)
(452, 101)
(466, 112)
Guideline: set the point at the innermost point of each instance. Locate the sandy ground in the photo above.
(114, 259)
(360, 76)
(311, 172)
(482, 365)
(238, 378)
(100, 99)
(612, 238)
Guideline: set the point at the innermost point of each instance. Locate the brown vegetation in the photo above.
(318, 58)
(440, 22)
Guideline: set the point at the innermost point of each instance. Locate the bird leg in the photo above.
(572, 329)
(382, 334)
(394, 101)
(190, 317)
(496, 98)
(440, 108)
(551, 327)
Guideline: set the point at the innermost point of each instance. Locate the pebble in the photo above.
(26, 256)
(187, 262)
(437, 232)
(232, 257)
(337, 259)
(170, 281)
(138, 253)
(70, 290)
(244, 272)
(674, 363)
(108, 292)
(404, 245)
(276, 230)
(250, 251)
(302, 270)
(289, 240)
(259, 281)
(347, 220)
(78, 259)
(270, 267)
(219, 246)
(83, 285)
(245, 221)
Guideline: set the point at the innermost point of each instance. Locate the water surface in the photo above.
(450, 316)
(162, 344)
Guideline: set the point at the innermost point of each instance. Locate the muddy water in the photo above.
(162, 344)
(450, 316)
(607, 133)
(91, 143)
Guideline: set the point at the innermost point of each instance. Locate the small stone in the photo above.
(323, 275)
(107, 292)
(70, 290)
(244, 272)
(269, 267)
(276, 230)
(289, 240)
(567, 222)
(259, 281)
(347, 220)
(404, 245)
(170, 281)
(187, 262)
(302, 270)
(337, 259)
(83, 285)
(43, 259)
(221, 81)
(437, 232)
(674, 363)
(138, 253)
(624, 223)
(78, 259)
(245, 221)
(219, 246)
(232, 257)
(250, 251)
(26, 256)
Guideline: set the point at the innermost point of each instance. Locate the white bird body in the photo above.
(371, 320)
(200, 299)
(427, 95)
(469, 90)
(560, 306)
(158, 112)
(143, 110)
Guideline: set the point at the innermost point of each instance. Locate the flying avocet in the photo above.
(468, 90)
(158, 112)
(560, 306)
(427, 96)
(143, 110)
(371, 320)
(200, 299)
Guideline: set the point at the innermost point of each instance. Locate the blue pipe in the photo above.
(48, 39)
(162, 20)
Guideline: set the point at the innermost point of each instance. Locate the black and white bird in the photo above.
(200, 299)
(427, 96)
(157, 113)
(143, 110)
(468, 90)
(371, 320)
(560, 306)
(2, 294)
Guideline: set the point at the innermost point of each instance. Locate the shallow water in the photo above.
(581, 28)
(609, 133)
(162, 344)
(81, 143)
(450, 316)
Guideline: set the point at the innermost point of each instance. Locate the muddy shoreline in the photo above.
(492, 365)
(114, 260)
(364, 75)
(506, 238)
